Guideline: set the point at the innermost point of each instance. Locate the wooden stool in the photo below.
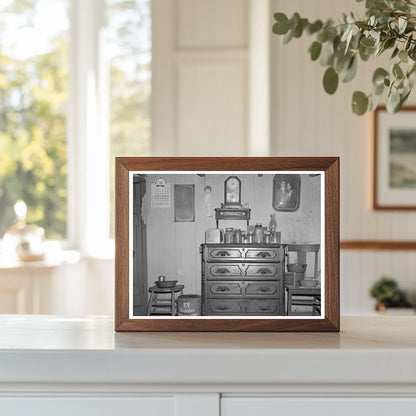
(163, 306)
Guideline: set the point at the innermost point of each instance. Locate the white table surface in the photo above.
(46, 349)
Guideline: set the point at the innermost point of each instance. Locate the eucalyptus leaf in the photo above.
(408, 42)
(395, 52)
(367, 42)
(378, 89)
(359, 103)
(404, 96)
(402, 22)
(397, 71)
(327, 53)
(376, 4)
(315, 50)
(411, 78)
(393, 101)
(403, 56)
(389, 43)
(400, 5)
(341, 62)
(314, 27)
(288, 37)
(330, 80)
(351, 72)
(281, 27)
(298, 30)
(294, 20)
(374, 101)
(379, 75)
(322, 36)
(366, 53)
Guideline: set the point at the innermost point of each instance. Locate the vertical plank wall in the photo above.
(308, 122)
(200, 74)
(173, 247)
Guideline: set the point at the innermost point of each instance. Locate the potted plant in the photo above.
(387, 294)
(389, 27)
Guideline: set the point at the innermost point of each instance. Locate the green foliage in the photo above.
(34, 103)
(33, 97)
(386, 291)
(330, 80)
(389, 26)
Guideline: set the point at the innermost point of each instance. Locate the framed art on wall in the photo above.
(394, 179)
(257, 268)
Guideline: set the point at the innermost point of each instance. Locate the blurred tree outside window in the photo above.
(33, 102)
(34, 86)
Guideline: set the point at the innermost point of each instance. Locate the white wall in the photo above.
(308, 122)
(200, 77)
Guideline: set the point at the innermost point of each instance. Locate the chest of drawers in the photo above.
(245, 279)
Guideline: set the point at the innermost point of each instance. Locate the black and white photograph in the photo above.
(403, 158)
(227, 244)
(394, 178)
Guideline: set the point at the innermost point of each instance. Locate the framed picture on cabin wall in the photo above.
(222, 244)
(394, 178)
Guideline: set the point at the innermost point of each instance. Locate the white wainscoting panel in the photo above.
(212, 24)
(212, 108)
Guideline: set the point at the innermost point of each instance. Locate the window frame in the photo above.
(87, 133)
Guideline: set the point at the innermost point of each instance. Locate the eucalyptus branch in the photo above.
(389, 25)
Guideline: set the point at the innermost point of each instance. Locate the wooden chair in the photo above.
(297, 296)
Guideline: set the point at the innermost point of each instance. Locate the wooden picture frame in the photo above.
(324, 169)
(394, 158)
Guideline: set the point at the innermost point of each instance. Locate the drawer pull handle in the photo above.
(223, 253)
(263, 308)
(263, 254)
(223, 307)
(263, 289)
(223, 270)
(223, 289)
(265, 271)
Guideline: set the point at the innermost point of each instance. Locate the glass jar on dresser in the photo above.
(242, 279)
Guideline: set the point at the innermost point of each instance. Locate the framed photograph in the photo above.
(286, 192)
(266, 268)
(394, 177)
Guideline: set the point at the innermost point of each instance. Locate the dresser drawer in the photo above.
(225, 288)
(262, 254)
(242, 288)
(224, 253)
(260, 306)
(228, 252)
(262, 270)
(224, 270)
(224, 306)
(261, 289)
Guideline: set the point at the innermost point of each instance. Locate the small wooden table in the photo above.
(158, 306)
(315, 302)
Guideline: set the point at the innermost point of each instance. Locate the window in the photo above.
(129, 46)
(33, 99)
(75, 87)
